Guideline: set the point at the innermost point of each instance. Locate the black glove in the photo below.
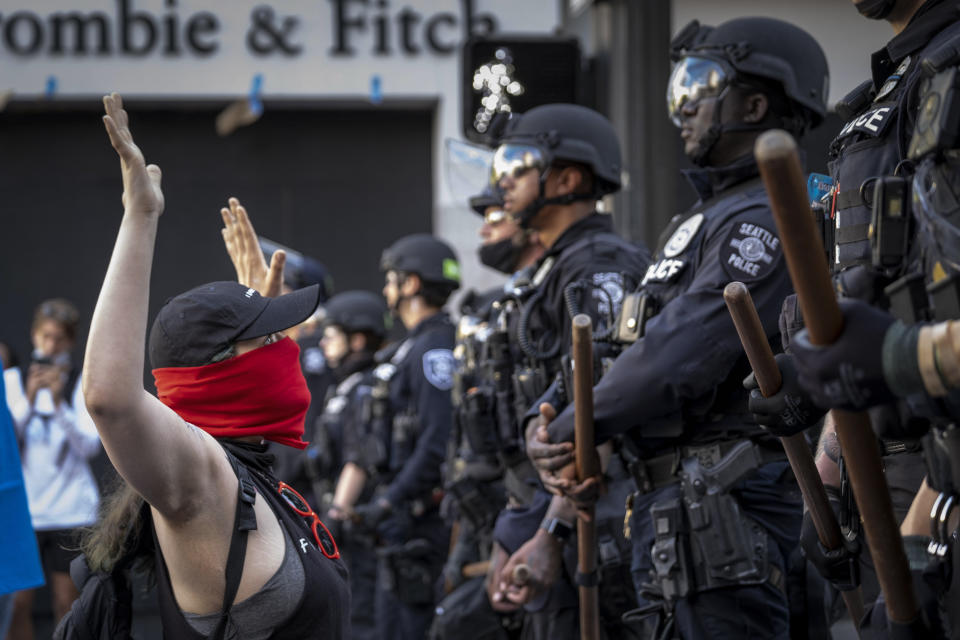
(840, 567)
(373, 513)
(847, 374)
(790, 410)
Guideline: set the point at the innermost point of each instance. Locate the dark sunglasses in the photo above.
(325, 541)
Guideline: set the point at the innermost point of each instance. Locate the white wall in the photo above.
(847, 38)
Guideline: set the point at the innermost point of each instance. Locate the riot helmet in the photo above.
(554, 134)
(358, 311)
(489, 197)
(429, 257)
(761, 54)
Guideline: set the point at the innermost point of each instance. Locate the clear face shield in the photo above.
(692, 80)
(513, 160)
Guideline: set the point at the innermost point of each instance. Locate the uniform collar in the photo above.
(435, 320)
(593, 222)
(931, 18)
(712, 181)
(351, 364)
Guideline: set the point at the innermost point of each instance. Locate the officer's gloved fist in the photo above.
(840, 567)
(847, 374)
(787, 412)
(373, 513)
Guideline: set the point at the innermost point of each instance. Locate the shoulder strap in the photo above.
(245, 520)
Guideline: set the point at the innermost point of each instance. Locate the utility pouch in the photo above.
(478, 502)
(672, 569)
(908, 298)
(613, 567)
(477, 421)
(408, 571)
(529, 383)
(945, 294)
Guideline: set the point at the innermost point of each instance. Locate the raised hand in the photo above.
(244, 250)
(141, 182)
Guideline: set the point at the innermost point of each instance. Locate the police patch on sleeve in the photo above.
(751, 251)
(438, 366)
(611, 294)
(313, 360)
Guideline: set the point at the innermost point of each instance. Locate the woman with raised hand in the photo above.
(238, 554)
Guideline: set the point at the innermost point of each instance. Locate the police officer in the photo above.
(870, 163)
(485, 442)
(409, 426)
(716, 512)
(553, 164)
(354, 328)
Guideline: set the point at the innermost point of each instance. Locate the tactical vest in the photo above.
(873, 144)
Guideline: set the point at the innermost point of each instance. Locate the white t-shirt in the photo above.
(58, 444)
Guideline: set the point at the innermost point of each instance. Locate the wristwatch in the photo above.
(559, 529)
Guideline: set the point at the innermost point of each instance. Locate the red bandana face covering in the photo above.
(260, 393)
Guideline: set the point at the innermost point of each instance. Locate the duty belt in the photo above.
(663, 470)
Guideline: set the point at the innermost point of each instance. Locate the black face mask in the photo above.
(875, 9)
(503, 256)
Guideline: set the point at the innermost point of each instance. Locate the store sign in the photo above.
(134, 29)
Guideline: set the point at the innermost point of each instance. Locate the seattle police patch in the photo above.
(750, 251)
(438, 366)
(313, 360)
(682, 236)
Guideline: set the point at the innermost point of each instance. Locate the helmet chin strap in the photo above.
(875, 9)
(526, 216)
(708, 140)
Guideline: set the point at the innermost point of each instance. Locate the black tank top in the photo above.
(324, 608)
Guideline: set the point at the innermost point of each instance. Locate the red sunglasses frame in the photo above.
(309, 513)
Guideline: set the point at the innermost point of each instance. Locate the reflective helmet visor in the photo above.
(513, 160)
(692, 80)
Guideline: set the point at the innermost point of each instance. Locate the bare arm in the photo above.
(163, 458)
(828, 453)
(349, 487)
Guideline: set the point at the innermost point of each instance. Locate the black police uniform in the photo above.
(586, 270)
(418, 377)
(676, 394)
(873, 144)
(331, 449)
(483, 444)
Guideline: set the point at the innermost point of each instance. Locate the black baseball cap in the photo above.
(193, 327)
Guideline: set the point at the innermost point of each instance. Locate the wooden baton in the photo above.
(765, 370)
(588, 466)
(784, 180)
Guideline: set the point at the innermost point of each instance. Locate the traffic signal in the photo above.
(514, 74)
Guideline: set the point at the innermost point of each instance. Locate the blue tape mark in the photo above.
(51, 87)
(376, 89)
(256, 87)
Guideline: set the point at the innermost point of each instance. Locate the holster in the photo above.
(703, 540)
(476, 420)
(409, 570)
